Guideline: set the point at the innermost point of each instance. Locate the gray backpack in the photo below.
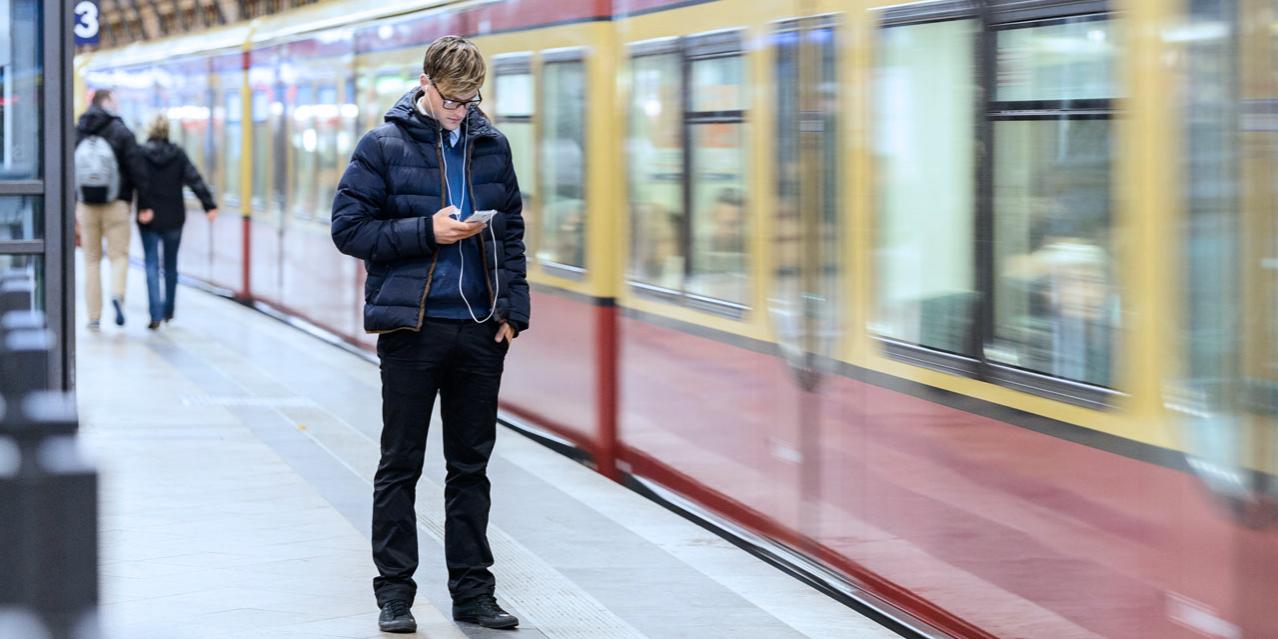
(97, 173)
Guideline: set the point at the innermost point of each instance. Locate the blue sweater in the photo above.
(445, 300)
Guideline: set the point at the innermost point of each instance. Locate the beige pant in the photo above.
(98, 221)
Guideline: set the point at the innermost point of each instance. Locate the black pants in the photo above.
(459, 361)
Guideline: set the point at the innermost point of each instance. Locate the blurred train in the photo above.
(972, 304)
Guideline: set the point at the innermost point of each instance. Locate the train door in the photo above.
(1225, 394)
(806, 270)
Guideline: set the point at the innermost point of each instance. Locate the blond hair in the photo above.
(158, 128)
(455, 65)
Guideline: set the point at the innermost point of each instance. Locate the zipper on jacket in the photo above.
(443, 187)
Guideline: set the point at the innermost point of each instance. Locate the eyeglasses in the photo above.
(452, 104)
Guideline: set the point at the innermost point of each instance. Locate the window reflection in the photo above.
(563, 174)
(21, 218)
(656, 172)
(1055, 307)
(1056, 304)
(927, 196)
(21, 93)
(29, 268)
(231, 145)
(515, 110)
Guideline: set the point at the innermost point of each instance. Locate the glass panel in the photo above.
(719, 214)
(924, 114)
(718, 84)
(562, 170)
(304, 142)
(388, 88)
(523, 149)
(1069, 61)
(231, 150)
(21, 218)
(787, 245)
(21, 93)
(32, 268)
(261, 148)
(514, 95)
(328, 125)
(1056, 303)
(656, 172)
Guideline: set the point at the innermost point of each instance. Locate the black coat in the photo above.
(387, 197)
(109, 126)
(170, 170)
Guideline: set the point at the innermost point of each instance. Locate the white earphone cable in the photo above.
(461, 273)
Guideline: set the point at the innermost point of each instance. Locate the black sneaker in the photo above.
(485, 612)
(396, 617)
(153, 325)
(119, 311)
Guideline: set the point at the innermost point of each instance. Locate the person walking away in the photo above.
(170, 169)
(447, 295)
(109, 169)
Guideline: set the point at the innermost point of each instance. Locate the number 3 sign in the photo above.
(87, 26)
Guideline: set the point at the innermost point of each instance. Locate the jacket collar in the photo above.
(423, 128)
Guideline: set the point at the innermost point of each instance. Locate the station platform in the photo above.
(237, 453)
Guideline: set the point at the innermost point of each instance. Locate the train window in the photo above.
(21, 218)
(1055, 301)
(656, 171)
(304, 142)
(1072, 60)
(231, 140)
(328, 123)
(718, 267)
(688, 210)
(21, 86)
(261, 148)
(924, 115)
(515, 107)
(563, 171)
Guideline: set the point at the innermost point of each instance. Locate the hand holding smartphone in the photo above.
(481, 216)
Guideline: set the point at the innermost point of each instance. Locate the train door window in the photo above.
(261, 148)
(1055, 301)
(924, 113)
(328, 126)
(806, 234)
(231, 140)
(514, 111)
(279, 127)
(656, 162)
(718, 270)
(22, 85)
(562, 246)
(304, 141)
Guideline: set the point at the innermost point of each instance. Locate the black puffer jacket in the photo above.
(385, 201)
(109, 126)
(170, 170)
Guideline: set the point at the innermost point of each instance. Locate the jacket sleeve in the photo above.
(358, 228)
(192, 180)
(135, 163)
(516, 264)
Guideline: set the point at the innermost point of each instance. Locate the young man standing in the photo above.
(447, 294)
(103, 213)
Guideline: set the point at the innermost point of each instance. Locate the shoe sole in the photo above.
(399, 628)
(498, 626)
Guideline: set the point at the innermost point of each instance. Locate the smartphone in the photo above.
(481, 216)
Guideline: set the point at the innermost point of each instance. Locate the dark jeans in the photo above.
(460, 361)
(161, 306)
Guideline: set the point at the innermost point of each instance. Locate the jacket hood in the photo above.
(424, 128)
(160, 152)
(95, 119)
